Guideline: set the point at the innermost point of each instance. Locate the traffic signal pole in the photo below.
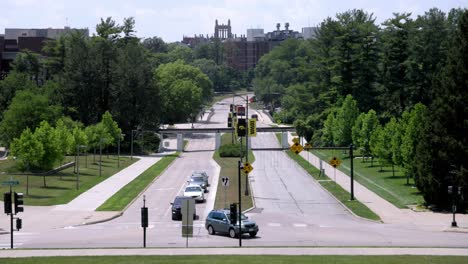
(11, 222)
(240, 203)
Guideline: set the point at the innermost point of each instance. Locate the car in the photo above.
(195, 191)
(177, 206)
(202, 173)
(198, 180)
(218, 221)
(254, 116)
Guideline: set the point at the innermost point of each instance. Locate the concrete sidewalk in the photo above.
(96, 196)
(291, 251)
(387, 211)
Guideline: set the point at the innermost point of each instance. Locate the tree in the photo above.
(394, 54)
(64, 137)
(386, 145)
(414, 133)
(28, 149)
(155, 44)
(112, 128)
(14, 82)
(177, 82)
(29, 63)
(362, 130)
(345, 120)
(440, 155)
(328, 128)
(27, 109)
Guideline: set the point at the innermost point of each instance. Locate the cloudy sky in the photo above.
(172, 19)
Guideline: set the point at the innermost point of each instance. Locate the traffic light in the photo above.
(229, 123)
(18, 198)
(19, 224)
(7, 202)
(233, 213)
(241, 127)
(231, 108)
(144, 217)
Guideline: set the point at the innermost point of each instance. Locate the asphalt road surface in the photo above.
(292, 209)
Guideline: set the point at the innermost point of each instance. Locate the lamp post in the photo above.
(118, 150)
(78, 147)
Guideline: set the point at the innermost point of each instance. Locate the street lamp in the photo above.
(78, 147)
(118, 149)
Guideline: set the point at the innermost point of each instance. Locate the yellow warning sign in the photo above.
(307, 146)
(335, 162)
(248, 168)
(252, 127)
(296, 148)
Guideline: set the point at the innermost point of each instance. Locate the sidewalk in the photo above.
(237, 251)
(96, 196)
(387, 211)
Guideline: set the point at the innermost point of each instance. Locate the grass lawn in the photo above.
(392, 188)
(229, 169)
(229, 259)
(129, 192)
(336, 190)
(61, 188)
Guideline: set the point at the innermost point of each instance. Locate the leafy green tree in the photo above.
(440, 155)
(14, 82)
(177, 83)
(344, 122)
(397, 141)
(27, 109)
(328, 128)
(375, 143)
(414, 133)
(64, 137)
(29, 63)
(46, 135)
(28, 149)
(386, 143)
(155, 44)
(369, 124)
(394, 43)
(112, 128)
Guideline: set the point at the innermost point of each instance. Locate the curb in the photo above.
(118, 214)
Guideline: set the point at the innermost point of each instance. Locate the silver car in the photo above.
(203, 174)
(198, 180)
(218, 222)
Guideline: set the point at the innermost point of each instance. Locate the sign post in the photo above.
(144, 220)
(188, 210)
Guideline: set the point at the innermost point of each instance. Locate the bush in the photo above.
(230, 150)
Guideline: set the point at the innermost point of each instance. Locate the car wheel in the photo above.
(232, 233)
(252, 234)
(211, 230)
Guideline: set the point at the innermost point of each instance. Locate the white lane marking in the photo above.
(299, 225)
(274, 224)
(324, 226)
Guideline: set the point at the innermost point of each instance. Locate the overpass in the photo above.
(181, 132)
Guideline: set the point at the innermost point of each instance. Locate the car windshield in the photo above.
(243, 217)
(197, 178)
(193, 189)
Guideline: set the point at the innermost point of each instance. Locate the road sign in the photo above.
(10, 183)
(225, 181)
(296, 148)
(187, 210)
(335, 162)
(295, 140)
(248, 168)
(252, 127)
(307, 146)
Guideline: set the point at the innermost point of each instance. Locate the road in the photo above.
(291, 209)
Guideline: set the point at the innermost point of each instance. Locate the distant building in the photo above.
(18, 39)
(309, 32)
(244, 52)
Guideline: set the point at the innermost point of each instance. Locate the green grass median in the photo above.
(129, 192)
(379, 180)
(245, 259)
(229, 169)
(61, 187)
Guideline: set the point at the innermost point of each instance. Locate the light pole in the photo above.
(78, 147)
(100, 156)
(118, 150)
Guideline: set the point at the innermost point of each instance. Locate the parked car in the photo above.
(202, 173)
(198, 180)
(218, 221)
(195, 191)
(254, 116)
(177, 205)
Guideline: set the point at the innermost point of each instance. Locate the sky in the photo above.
(173, 19)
